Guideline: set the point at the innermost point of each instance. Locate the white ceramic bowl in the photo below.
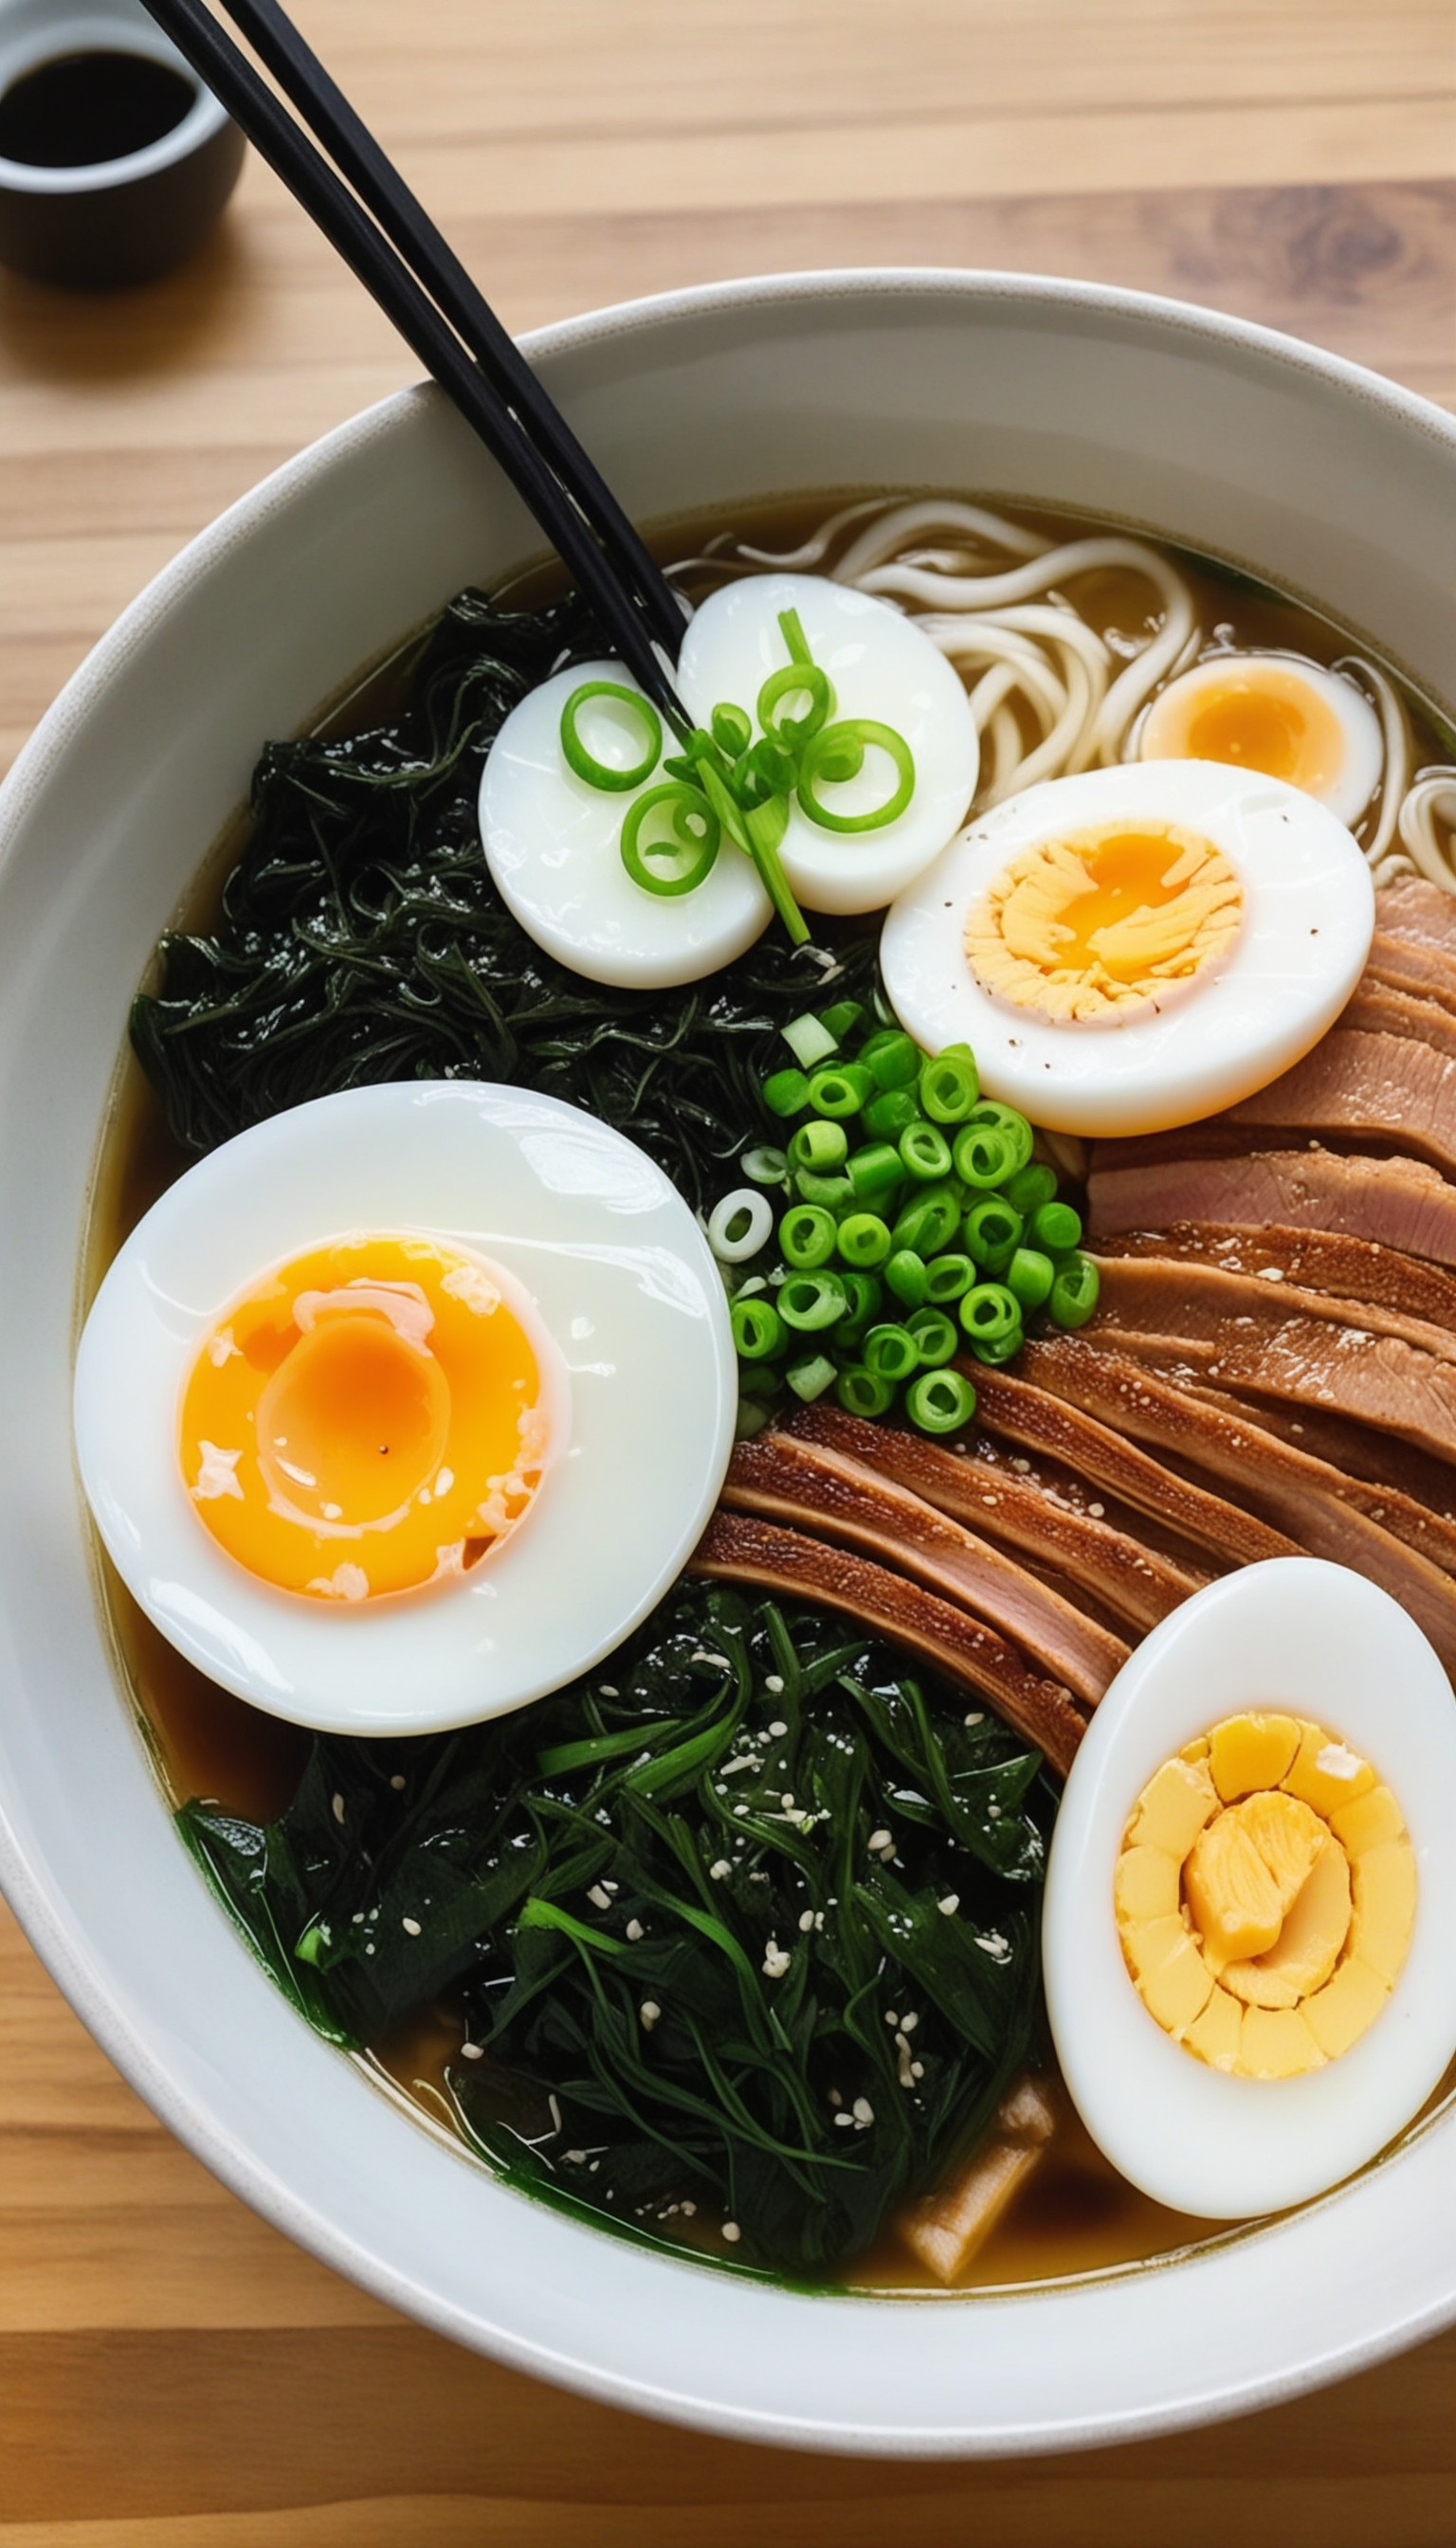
(1326, 479)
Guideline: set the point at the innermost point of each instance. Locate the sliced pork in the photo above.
(1373, 1087)
(738, 1548)
(1318, 1260)
(1393, 1202)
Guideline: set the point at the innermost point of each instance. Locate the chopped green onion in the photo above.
(757, 1330)
(1011, 1124)
(810, 1377)
(839, 1089)
(940, 1402)
(802, 681)
(1005, 1349)
(739, 1225)
(864, 1239)
(927, 1222)
(842, 1017)
(749, 1420)
(786, 1092)
(732, 729)
(1030, 1188)
(820, 1147)
(892, 1057)
(810, 1301)
(833, 1194)
(875, 1171)
(836, 755)
(907, 1277)
(889, 1112)
(948, 1277)
(1073, 1293)
(694, 836)
(890, 1352)
(810, 1041)
(863, 1392)
(925, 1151)
(765, 1166)
(601, 773)
(807, 1237)
(865, 1295)
(936, 1340)
(983, 1155)
(992, 1229)
(949, 1087)
(990, 1312)
(1056, 1227)
(1029, 1275)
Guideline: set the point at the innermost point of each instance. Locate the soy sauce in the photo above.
(83, 109)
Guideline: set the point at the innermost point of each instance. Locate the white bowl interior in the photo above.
(1329, 483)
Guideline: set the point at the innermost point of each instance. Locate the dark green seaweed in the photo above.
(686, 1829)
(361, 938)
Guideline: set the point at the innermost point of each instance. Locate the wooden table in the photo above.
(172, 2373)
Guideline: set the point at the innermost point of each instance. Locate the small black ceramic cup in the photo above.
(115, 160)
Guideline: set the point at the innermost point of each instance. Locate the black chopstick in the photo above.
(384, 275)
(286, 53)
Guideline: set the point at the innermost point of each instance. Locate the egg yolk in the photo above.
(365, 1419)
(1092, 925)
(1265, 1896)
(1257, 714)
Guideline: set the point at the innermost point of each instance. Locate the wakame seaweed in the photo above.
(361, 938)
(754, 1903)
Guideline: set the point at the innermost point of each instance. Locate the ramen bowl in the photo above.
(1333, 485)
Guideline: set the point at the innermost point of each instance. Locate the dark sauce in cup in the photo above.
(83, 109)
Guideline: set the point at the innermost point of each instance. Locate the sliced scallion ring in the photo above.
(692, 839)
(836, 754)
(601, 773)
(796, 680)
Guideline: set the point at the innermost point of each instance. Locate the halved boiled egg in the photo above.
(1135, 947)
(1251, 1893)
(1274, 713)
(884, 671)
(403, 1408)
(553, 844)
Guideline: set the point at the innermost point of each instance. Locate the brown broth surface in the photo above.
(1076, 2215)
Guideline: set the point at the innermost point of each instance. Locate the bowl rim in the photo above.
(199, 2123)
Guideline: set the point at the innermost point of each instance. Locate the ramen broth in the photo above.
(1075, 2216)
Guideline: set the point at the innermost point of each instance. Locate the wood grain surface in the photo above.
(172, 2373)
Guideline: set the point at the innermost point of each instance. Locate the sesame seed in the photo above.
(864, 2113)
(777, 1960)
(881, 1840)
(634, 1930)
(599, 1894)
(719, 1869)
(950, 1904)
(473, 2051)
(917, 2069)
(778, 1727)
(1097, 1512)
(575, 2158)
(339, 1809)
(773, 1683)
(555, 2113)
(397, 1782)
(688, 2209)
(648, 2013)
(606, 1689)
(977, 1716)
(806, 1922)
(891, 2018)
(910, 2021)
(846, 2122)
(731, 2232)
(410, 1927)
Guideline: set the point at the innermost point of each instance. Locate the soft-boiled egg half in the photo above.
(1251, 1893)
(1135, 947)
(553, 837)
(403, 1408)
(1277, 714)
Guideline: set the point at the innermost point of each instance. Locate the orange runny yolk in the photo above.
(364, 1419)
(1259, 714)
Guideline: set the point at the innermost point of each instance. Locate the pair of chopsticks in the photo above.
(383, 231)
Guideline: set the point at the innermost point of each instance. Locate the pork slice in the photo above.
(1401, 964)
(1420, 1493)
(838, 1497)
(1166, 1297)
(1135, 1585)
(1372, 1379)
(1393, 1202)
(1375, 1087)
(1377, 1007)
(1042, 1420)
(738, 1548)
(1412, 907)
(1325, 1513)
(1311, 1260)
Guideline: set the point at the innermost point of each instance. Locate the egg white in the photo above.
(1349, 789)
(1309, 914)
(597, 1247)
(553, 845)
(1315, 1639)
(882, 667)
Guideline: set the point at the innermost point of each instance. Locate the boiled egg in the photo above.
(403, 1408)
(1136, 947)
(884, 671)
(553, 843)
(1251, 1893)
(1274, 713)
